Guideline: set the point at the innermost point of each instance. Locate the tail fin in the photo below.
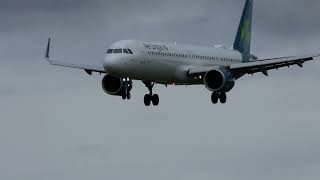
(242, 42)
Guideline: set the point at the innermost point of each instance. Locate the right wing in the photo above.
(88, 68)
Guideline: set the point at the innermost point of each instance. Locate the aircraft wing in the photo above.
(268, 64)
(88, 68)
(261, 66)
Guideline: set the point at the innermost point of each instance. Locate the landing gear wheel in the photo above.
(128, 96)
(155, 99)
(223, 98)
(127, 87)
(214, 97)
(147, 100)
(124, 95)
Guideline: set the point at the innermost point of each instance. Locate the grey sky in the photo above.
(57, 123)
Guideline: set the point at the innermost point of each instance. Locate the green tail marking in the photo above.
(242, 42)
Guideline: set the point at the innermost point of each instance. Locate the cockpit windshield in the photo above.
(109, 51)
(119, 51)
(125, 51)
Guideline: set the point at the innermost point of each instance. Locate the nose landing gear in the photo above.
(151, 98)
(127, 84)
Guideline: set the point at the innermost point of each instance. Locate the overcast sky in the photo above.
(57, 123)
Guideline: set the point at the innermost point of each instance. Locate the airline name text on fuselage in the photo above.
(156, 47)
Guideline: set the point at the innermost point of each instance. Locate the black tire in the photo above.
(124, 95)
(128, 96)
(214, 98)
(147, 100)
(223, 98)
(155, 99)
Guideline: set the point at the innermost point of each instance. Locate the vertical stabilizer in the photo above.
(242, 42)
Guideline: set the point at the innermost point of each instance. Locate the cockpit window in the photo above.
(109, 51)
(130, 51)
(125, 51)
(117, 51)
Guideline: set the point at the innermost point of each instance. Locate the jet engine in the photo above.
(113, 85)
(219, 80)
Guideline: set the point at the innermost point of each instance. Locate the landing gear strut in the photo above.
(151, 98)
(127, 84)
(219, 95)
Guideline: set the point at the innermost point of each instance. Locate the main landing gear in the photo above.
(218, 95)
(127, 87)
(151, 98)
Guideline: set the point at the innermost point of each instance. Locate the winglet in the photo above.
(48, 49)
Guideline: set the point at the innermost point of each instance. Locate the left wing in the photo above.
(268, 64)
(88, 68)
(238, 70)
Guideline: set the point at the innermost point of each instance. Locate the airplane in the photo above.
(217, 68)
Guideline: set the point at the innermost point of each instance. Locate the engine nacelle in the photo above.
(112, 85)
(219, 80)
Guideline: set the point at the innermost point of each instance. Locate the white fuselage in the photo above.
(165, 63)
